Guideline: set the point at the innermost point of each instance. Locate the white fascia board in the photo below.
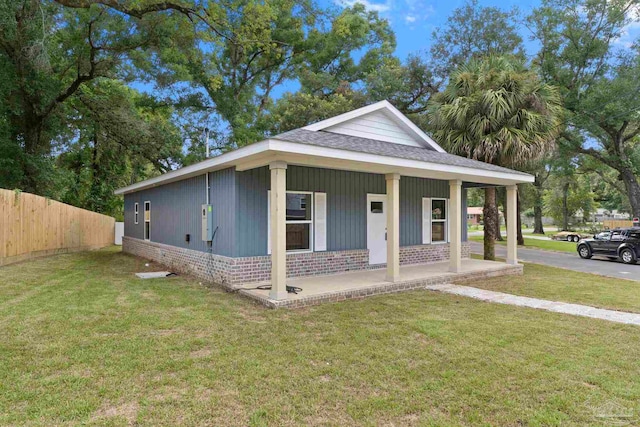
(395, 114)
(212, 164)
(482, 175)
(269, 149)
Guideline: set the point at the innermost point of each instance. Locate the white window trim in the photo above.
(136, 212)
(306, 221)
(147, 220)
(311, 222)
(445, 221)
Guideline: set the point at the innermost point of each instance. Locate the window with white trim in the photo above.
(147, 220)
(135, 212)
(439, 223)
(299, 224)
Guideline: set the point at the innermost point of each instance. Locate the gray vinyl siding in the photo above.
(176, 212)
(131, 229)
(239, 201)
(346, 205)
(223, 189)
(412, 190)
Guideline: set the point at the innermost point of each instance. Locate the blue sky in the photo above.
(414, 20)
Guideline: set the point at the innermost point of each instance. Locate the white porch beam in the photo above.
(512, 225)
(278, 230)
(393, 226)
(455, 225)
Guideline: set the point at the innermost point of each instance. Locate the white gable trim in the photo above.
(391, 111)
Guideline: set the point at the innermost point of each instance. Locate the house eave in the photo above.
(266, 151)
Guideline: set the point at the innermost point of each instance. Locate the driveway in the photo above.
(570, 261)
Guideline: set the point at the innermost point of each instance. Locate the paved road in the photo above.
(525, 231)
(570, 261)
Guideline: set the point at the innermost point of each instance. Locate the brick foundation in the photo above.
(421, 254)
(209, 267)
(228, 272)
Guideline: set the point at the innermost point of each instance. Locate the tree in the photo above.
(568, 194)
(474, 31)
(120, 137)
(495, 110)
(239, 53)
(408, 86)
(599, 84)
(47, 53)
(301, 109)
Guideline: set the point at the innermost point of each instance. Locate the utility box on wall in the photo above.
(207, 223)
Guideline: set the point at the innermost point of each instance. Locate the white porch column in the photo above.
(455, 225)
(512, 225)
(393, 226)
(278, 230)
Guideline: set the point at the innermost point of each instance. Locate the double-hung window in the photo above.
(435, 220)
(135, 212)
(306, 221)
(147, 220)
(299, 221)
(439, 212)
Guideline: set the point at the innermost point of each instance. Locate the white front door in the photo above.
(377, 228)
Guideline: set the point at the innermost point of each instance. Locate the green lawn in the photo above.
(548, 245)
(82, 341)
(569, 286)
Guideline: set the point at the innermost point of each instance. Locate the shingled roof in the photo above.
(382, 148)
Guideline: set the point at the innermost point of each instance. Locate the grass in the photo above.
(547, 245)
(569, 286)
(82, 341)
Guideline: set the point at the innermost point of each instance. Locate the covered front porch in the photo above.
(392, 276)
(360, 284)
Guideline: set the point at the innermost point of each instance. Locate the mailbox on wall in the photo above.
(207, 223)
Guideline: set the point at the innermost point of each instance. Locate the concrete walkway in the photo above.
(541, 304)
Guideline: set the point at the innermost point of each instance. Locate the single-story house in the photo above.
(474, 215)
(361, 203)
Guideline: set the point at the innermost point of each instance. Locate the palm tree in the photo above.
(496, 110)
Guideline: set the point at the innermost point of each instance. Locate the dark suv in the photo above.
(623, 243)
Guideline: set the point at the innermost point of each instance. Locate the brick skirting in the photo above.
(209, 267)
(228, 272)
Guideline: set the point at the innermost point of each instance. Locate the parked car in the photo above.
(622, 243)
(569, 236)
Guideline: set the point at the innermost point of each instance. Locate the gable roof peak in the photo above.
(391, 112)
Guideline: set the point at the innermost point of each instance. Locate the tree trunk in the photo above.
(501, 200)
(565, 207)
(537, 207)
(519, 221)
(633, 190)
(490, 213)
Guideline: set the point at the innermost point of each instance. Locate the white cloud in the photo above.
(377, 7)
(629, 34)
(411, 12)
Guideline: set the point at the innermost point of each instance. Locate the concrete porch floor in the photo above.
(360, 284)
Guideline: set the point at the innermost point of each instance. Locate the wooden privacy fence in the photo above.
(616, 223)
(32, 226)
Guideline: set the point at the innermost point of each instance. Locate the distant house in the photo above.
(365, 191)
(474, 215)
(604, 214)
